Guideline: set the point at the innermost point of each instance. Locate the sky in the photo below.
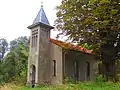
(16, 15)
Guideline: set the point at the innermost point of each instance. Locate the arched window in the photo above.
(54, 68)
(76, 69)
(88, 70)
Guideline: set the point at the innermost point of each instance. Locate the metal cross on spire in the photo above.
(42, 3)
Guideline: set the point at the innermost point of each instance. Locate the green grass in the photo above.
(80, 86)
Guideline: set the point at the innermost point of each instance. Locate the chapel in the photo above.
(52, 61)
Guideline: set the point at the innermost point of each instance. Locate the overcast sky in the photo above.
(16, 15)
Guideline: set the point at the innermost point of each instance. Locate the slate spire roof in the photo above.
(41, 17)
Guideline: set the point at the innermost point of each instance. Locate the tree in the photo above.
(14, 65)
(3, 47)
(14, 43)
(95, 22)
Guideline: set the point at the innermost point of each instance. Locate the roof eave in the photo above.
(68, 48)
(41, 24)
(89, 53)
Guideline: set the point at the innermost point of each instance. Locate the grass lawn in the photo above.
(80, 86)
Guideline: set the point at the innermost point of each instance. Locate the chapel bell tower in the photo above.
(39, 53)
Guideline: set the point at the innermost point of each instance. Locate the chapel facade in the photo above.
(51, 60)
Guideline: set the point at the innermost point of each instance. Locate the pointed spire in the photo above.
(41, 16)
(41, 19)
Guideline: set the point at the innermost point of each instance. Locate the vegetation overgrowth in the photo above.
(94, 24)
(79, 86)
(97, 84)
(13, 65)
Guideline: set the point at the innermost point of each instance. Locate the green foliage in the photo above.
(14, 65)
(79, 86)
(94, 22)
(14, 43)
(68, 80)
(85, 45)
(99, 79)
(3, 47)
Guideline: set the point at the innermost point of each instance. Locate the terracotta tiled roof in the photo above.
(71, 46)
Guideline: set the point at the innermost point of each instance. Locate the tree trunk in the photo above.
(109, 70)
(114, 71)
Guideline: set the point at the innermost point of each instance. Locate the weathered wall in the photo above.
(56, 54)
(33, 57)
(81, 58)
(44, 56)
(40, 56)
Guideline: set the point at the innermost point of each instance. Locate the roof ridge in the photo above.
(70, 46)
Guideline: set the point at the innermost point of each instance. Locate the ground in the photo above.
(80, 86)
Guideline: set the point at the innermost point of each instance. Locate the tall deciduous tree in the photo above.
(14, 65)
(3, 47)
(95, 22)
(14, 43)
